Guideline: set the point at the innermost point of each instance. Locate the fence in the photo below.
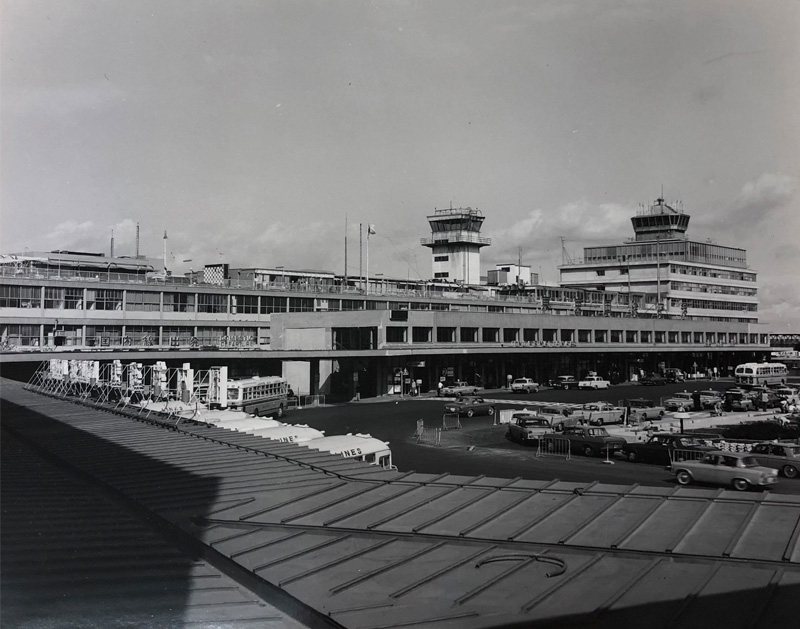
(678, 455)
(503, 416)
(425, 434)
(554, 445)
(451, 421)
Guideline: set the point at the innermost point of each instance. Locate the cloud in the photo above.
(768, 193)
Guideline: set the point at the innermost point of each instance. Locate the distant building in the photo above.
(663, 273)
(455, 245)
(512, 275)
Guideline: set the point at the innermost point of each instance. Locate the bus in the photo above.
(755, 374)
(359, 447)
(265, 395)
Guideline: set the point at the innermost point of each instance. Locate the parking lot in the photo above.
(480, 446)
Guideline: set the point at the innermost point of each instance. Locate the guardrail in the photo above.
(425, 434)
(451, 421)
(555, 446)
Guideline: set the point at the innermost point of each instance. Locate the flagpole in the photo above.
(345, 250)
(369, 229)
(360, 248)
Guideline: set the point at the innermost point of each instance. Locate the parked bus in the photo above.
(265, 395)
(360, 447)
(754, 374)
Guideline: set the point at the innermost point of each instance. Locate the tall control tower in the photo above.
(455, 244)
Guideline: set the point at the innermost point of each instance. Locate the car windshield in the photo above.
(749, 461)
(597, 432)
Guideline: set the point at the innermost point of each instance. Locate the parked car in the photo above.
(757, 393)
(661, 447)
(599, 413)
(592, 441)
(738, 469)
(787, 393)
(560, 416)
(526, 427)
(737, 401)
(593, 382)
(524, 385)
(643, 409)
(564, 382)
(460, 388)
(652, 380)
(784, 457)
(709, 398)
(680, 400)
(469, 406)
(672, 374)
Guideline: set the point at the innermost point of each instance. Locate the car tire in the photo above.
(661, 413)
(631, 456)
(587, 451)
(280, 411)
(475, 392)
(470, 412)
(599, 421)
(683, 477)
(536, 390)
(643, 417)
(558, 427)
(740, 484)
(490, 412)
(565, 387)
(789, 471)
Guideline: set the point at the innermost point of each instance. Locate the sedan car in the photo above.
(592, 441)
(459, 388)
(784, 457)
(738, 469)
(526, 427)
(652, 380)
(643, 410)
(469, 406)
(599, 413)
(524, 385)
(662, 448)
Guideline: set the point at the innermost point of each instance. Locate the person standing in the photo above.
(696, 401)
(439, 388)
(765, 401)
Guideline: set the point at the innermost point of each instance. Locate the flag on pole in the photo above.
(370, 230)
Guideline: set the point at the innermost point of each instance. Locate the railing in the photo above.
(451, 421)
(425, 434)
(306, 401)
(555, 446)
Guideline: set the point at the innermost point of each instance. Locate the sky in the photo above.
(260, 133)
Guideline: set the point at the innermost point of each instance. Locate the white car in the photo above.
(599, 413)
(593, 382)
(524, 385)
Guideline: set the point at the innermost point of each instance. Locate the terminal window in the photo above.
(396, 334)
(510, 335)
(420, 335)
(469, 335)
(491, 335)
(530, 335)
(445, 335)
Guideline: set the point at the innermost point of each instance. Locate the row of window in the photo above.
(212, 303)
(715, 288)
(422, 334)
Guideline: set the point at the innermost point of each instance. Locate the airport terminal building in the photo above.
(657, 301)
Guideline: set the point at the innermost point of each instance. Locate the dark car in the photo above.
(592, 441)
(784, 457)
(673, 374)
(757, 394)
(661, 447)
(652, 380)
(469, 406)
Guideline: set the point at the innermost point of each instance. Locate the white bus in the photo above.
(754, 374)
(288, 433)
(265, 395)
(360, 447)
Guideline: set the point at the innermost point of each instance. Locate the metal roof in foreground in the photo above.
(367, 548)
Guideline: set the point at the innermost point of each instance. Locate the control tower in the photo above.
(660, 222)
(455, 244)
